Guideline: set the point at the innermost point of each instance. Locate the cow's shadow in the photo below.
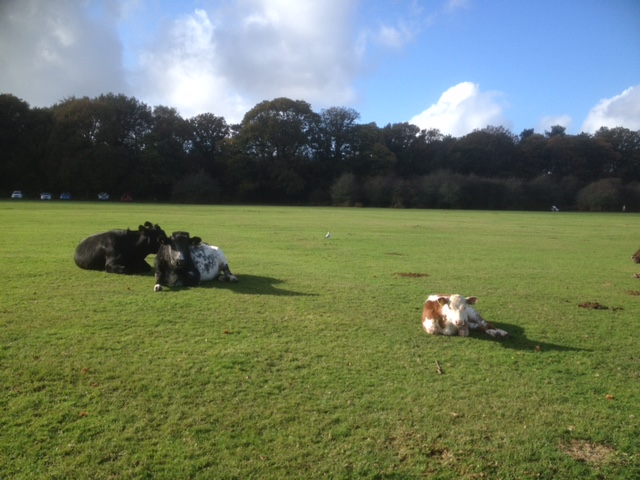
(519, 341)
(254, 285)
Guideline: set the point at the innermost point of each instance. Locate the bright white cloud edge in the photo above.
(462, 109)
(621, 110)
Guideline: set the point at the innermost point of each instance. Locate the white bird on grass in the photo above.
(328, 235)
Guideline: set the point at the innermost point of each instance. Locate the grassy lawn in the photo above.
(315, 364)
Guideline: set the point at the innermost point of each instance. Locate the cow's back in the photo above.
(91, 253)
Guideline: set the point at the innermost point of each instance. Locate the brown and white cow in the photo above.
(636, 256)
(453, 315)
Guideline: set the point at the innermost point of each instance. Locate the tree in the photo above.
(334, 134)
(196, 188)
(409, 146)
(625, 144)
(346, 190)
(277, 135)
(526, 133)
(208, 135)
(487, 152)
(371, 156)
(24, 134)
(556, 131)
(164, 154)
(334, 141)
(529, 157)
(602, 195)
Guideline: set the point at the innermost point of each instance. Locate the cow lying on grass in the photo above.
(453, 315)
(119, 251)
(185, 261)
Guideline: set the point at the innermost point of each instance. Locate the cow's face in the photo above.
(636, 256)
(458, 311)
(150, 235)
(179, 251)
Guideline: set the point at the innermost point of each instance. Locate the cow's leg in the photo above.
(497, 333)
(463, 330)
(159, 276)
(112, 266)
(226, 274)
(430, 327)
(476, 322)
(491, 330)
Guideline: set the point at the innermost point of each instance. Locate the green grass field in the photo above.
(315, 364)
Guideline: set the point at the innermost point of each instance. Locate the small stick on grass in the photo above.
(438, 367)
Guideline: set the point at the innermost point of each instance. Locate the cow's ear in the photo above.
(196, 240)
(443, 301)
(472, 300)
(163, 240)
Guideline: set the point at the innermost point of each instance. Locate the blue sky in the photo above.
(455, 65)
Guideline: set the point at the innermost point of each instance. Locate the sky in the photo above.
(453, 65)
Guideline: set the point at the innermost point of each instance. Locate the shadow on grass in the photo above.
(248, 285)
(519, 341)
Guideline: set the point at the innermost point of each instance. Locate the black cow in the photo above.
(119, 251)
(186, 261)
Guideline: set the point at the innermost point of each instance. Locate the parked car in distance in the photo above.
(103, 196)
(45, 196)
(16, 195)
(65, 196)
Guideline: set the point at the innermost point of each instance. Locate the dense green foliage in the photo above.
(283, 152)
(315, 365)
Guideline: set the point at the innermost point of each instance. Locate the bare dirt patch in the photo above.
(411, 275)
(597, 306)
(588, 452)
(634, 292)
(593, 306)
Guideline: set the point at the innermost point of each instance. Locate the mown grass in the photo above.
(315, 364)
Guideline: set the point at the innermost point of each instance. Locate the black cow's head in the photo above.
(178, 253)
(150, 235)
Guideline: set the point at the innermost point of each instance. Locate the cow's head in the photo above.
(458, 311)
(179, 248)
(150, 235)
(636, 256)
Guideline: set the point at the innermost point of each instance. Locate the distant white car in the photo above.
(45, 196)
(16, 195)
(103, 196)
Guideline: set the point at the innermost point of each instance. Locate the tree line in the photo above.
(283, 152)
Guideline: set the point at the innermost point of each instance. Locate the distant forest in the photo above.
(285, 153)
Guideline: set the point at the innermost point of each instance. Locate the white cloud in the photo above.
(225, 61)
(619, 111)
(394, 37)
(462, 109)
(181, 71)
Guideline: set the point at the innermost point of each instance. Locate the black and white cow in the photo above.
(119, 251)
(183, 261)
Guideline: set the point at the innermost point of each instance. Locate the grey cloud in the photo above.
(52, 50)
